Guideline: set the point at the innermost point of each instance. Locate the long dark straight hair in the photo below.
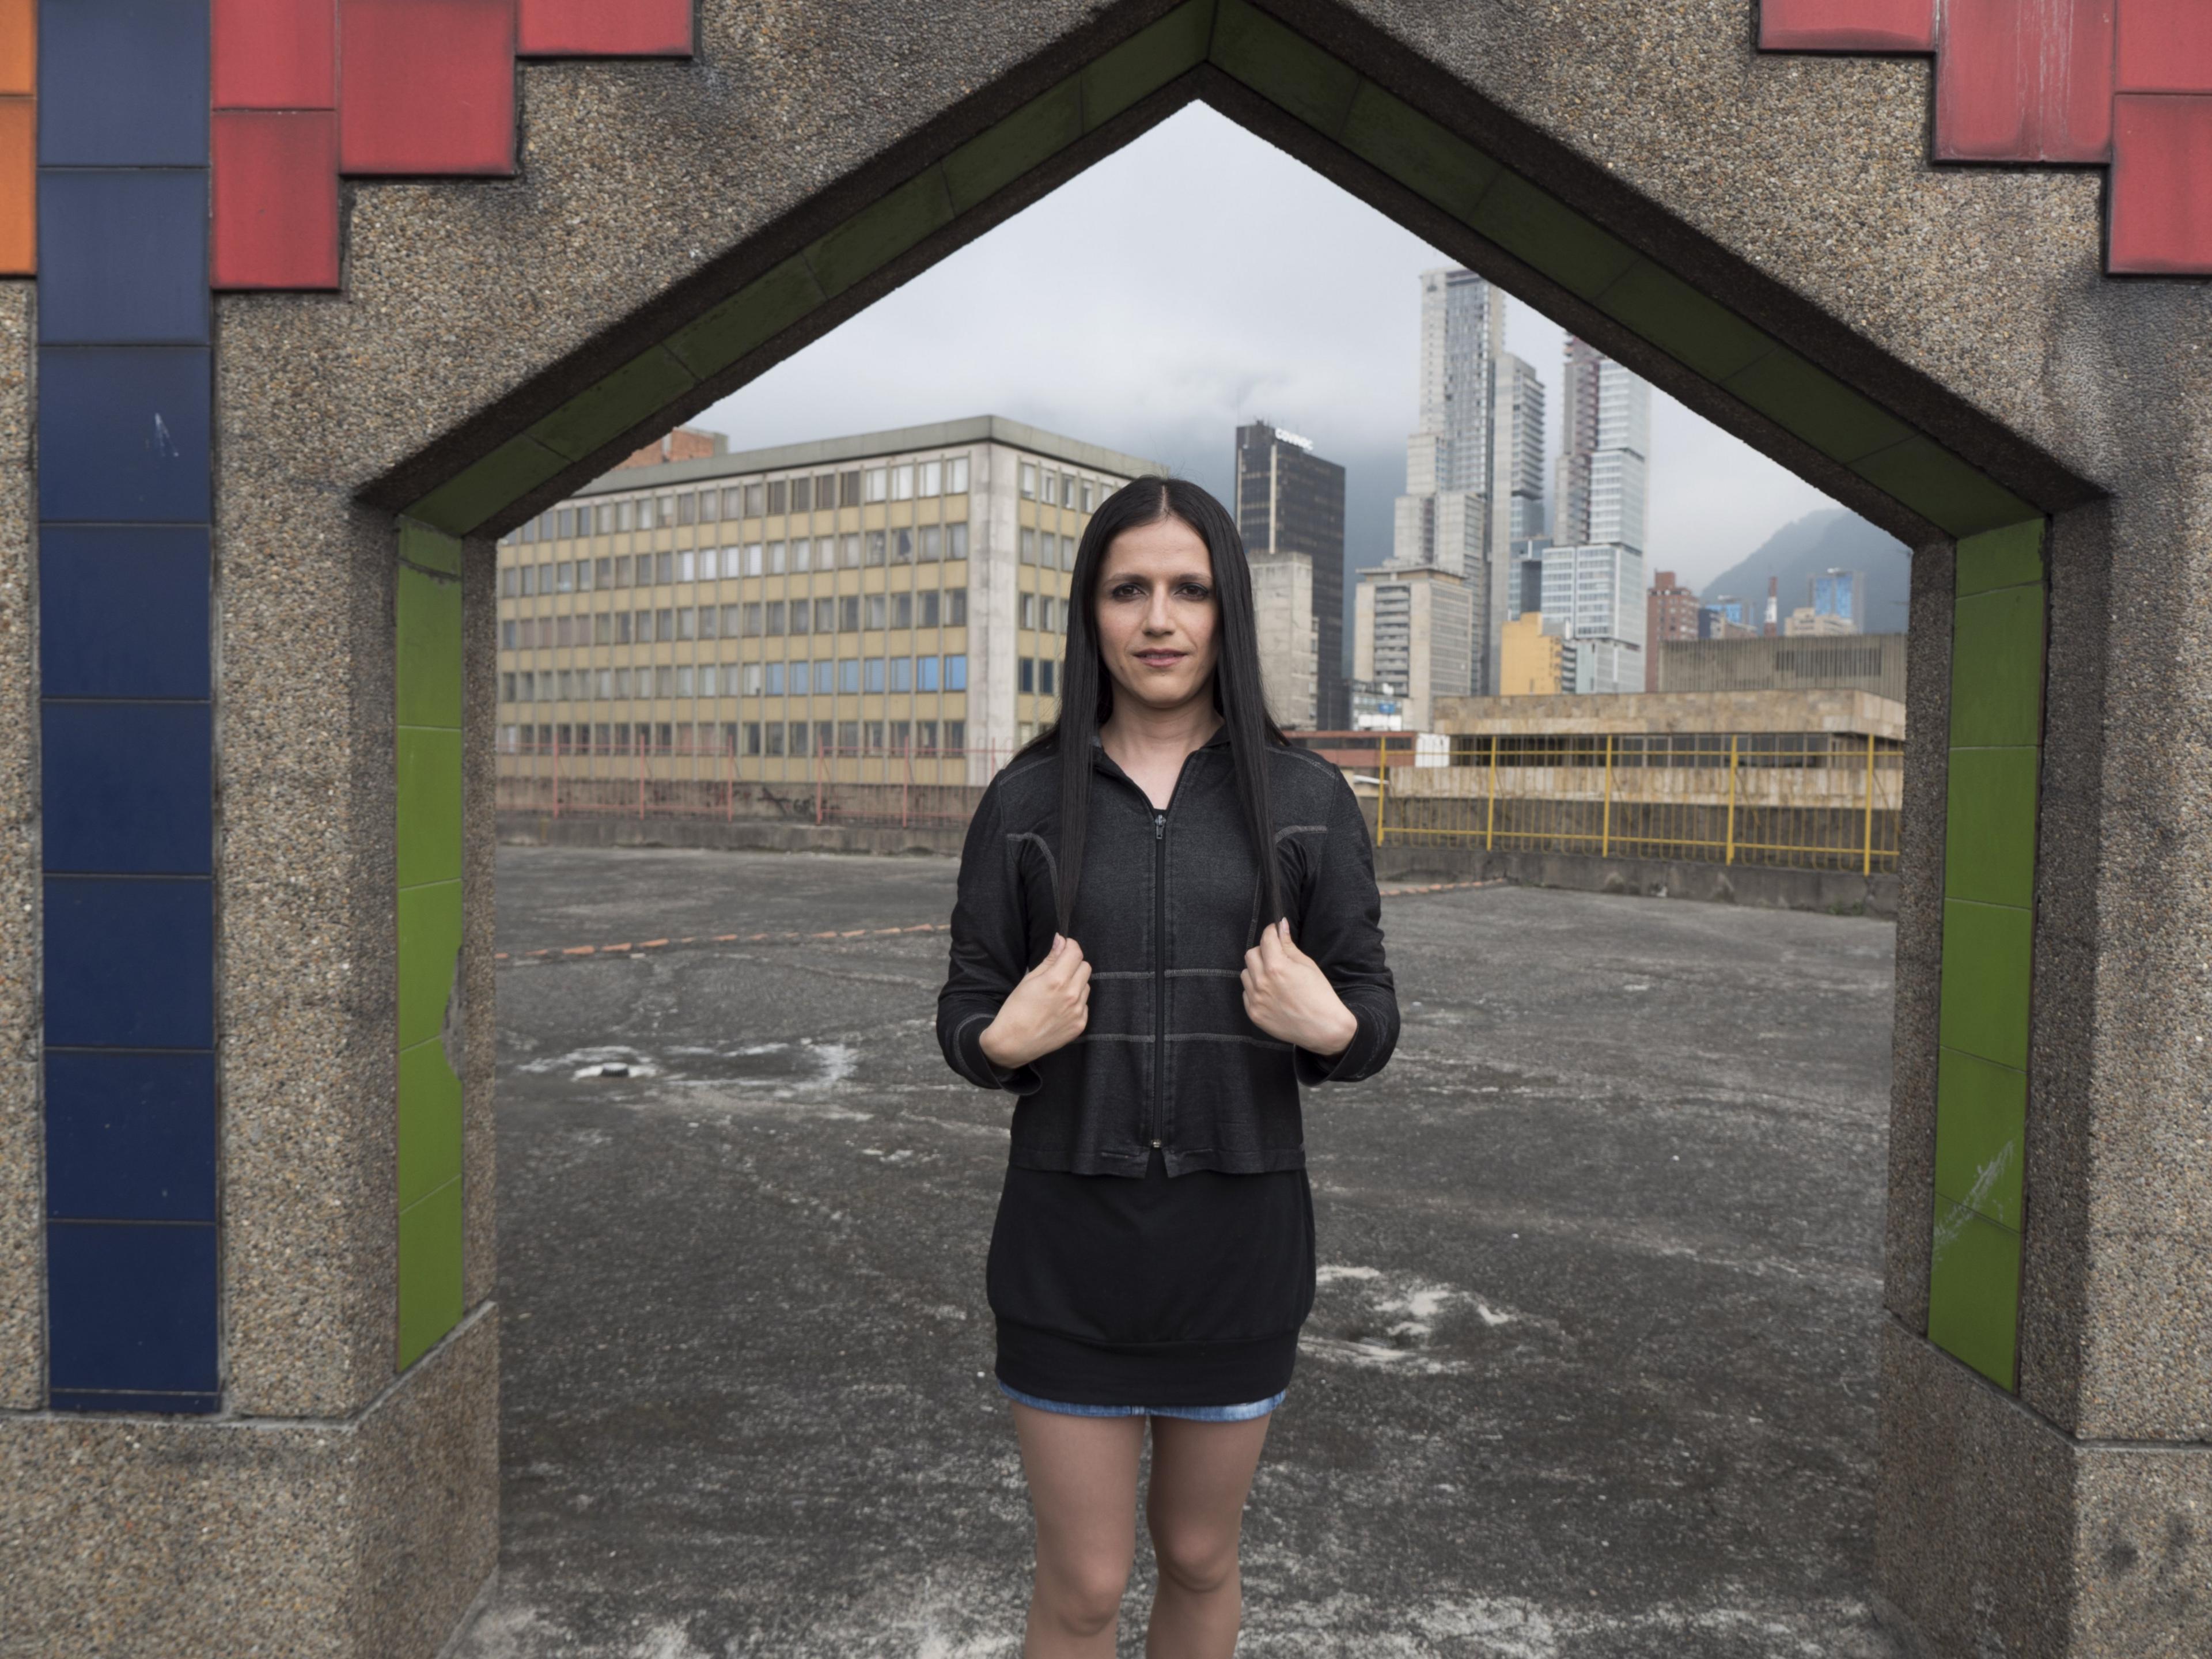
(1086, 690)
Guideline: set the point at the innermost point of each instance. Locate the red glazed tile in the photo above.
(19, 55)
(2024, 80)
(1847, 25)
(2077, 100)
(2161, 185)
(19, 175)
(593, 29)
(276, 54)
(2166, 45)
(426, 86)
(276, 198)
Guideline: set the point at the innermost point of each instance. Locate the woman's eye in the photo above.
(1196, 591)
(1125, 591)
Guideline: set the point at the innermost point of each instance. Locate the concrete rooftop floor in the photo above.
(1590, 1374)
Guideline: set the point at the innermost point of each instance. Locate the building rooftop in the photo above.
(862, 446)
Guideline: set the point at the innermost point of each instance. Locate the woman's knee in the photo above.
(1197, 1559)
(1083, 1594)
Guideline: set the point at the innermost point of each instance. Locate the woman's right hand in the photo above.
(1047, 1010)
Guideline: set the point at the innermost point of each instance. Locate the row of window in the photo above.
(848, 613)
(1060, 488)
(824, 675)
(819, 491)
(928, 544)
(922, 739)
(1053, 552)
(1036, 674)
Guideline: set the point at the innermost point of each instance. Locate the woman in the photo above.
(1153, 946)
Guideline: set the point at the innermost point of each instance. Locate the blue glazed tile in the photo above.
(87, 1399)
(132, 1305)
(128, 787)
(123, 611)
(123, 257)
(130, 1137)
(129, 964)
(122, 82)
(123, 434)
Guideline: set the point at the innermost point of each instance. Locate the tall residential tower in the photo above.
(1289, 510)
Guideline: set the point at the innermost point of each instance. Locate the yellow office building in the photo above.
(889, 605)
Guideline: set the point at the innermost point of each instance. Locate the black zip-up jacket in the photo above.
(1168, 904)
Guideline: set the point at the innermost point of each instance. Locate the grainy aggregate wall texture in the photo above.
(1969, 303)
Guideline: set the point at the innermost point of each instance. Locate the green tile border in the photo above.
(1973, 1291)
(428, 793)
(1999, 629)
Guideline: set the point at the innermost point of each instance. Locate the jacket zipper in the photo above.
(1159, 972)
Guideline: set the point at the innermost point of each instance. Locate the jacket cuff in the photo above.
(978, 1068)
(1357, 1061)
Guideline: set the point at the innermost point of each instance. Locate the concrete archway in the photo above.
(1761, 236)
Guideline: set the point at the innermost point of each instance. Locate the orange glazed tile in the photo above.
(19, 48)
(19, 215)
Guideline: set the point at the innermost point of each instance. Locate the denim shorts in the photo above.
(1243, 1413)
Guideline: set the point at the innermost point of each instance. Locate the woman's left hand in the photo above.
(1289, 998)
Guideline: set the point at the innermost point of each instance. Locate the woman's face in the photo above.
(1159, 623)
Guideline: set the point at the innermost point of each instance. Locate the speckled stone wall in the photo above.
(1970, 303)
(361, 1538)
(22, 1254)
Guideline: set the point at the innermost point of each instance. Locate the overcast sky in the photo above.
(1197, 279)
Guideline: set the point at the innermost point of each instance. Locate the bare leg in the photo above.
(1201, 1472)
(1083, 1489)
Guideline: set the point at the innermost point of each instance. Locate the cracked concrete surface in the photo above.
(1591, 1373)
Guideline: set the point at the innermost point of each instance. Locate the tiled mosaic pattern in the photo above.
(2127, 83)
(1997, 695)
(127, 721)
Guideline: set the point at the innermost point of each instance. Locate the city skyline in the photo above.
(1166, 356)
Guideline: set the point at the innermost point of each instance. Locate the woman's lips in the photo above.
(1161, 659)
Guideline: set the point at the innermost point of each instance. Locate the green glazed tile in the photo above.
(1981, 1128)
(429, 646)
(1438, 166)
(1985, 980)
(429, 805)
(1146, 62)
(2001, 558)
(515, 468)
(429, 1122)
(1552, 237)
(1973, 1291)
(592, 418)
(1283, 66)
(1683, 323)
(1940, 488)
(881, 232)
(1816, 406)
(755, 314)
(429, 1271)
(429, 944)
(1031, 135)
(1988, 837)
(432, 549)
(1996, 669)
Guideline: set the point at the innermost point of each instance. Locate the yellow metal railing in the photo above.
(1802, 800)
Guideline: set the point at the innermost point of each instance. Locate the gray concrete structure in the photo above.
(1762, 237)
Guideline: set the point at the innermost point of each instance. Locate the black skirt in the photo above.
(1110, 1291)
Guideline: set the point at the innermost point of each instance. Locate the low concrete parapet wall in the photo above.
(1838, 892)
(1835, 892)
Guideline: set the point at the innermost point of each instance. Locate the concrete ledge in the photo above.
(1836, 892)
(734, 834)
(160, 1538)
(1996, 1533)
